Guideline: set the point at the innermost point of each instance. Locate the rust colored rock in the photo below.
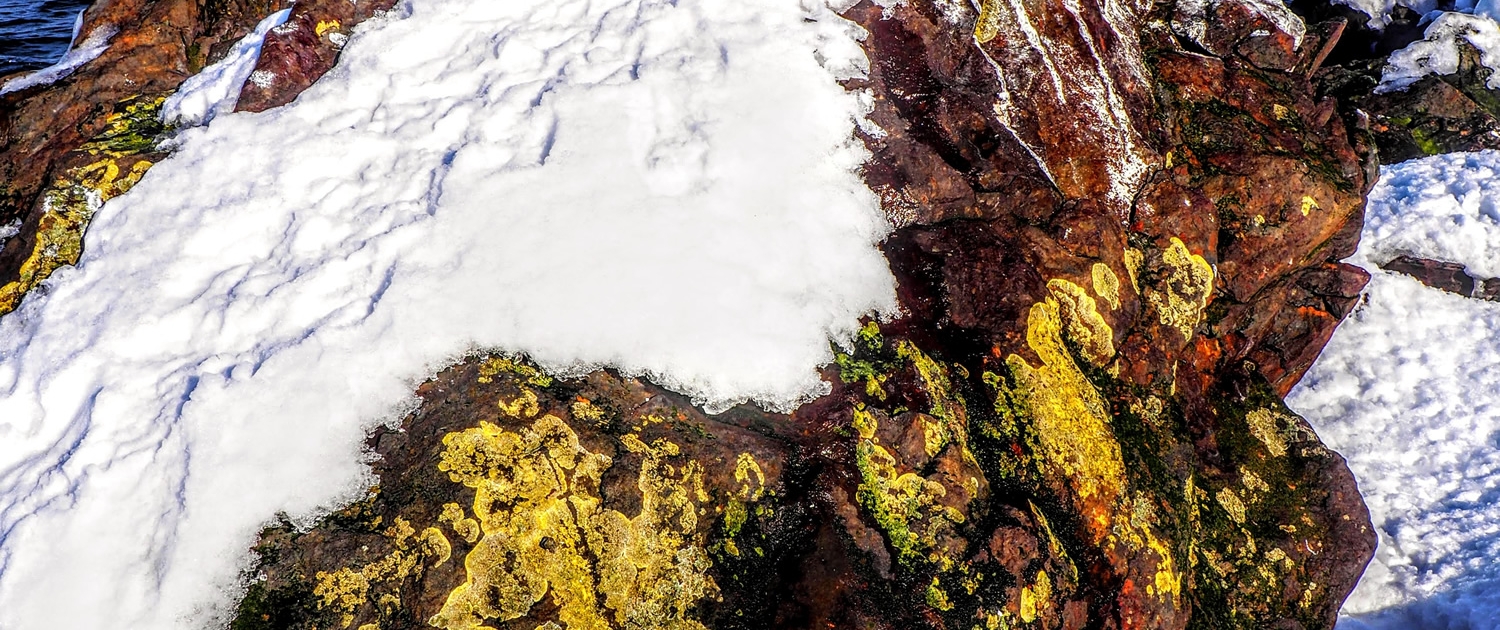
(302, 50)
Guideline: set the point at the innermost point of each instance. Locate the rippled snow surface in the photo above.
(664, 186)
(1409, 391)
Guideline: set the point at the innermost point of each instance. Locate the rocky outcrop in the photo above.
(1119, 227)
(1439, 113)
(1118, 237)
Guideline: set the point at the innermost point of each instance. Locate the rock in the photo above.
(1435, 115)
(1114, 255)
(1119, 227)
(1450, 277)
(303, 49)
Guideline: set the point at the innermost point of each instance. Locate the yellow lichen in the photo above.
(934, 436)
(1232, 504)
(453, 514)
(1183, 290)
(944, 406)
(987, 27)
(1028, 605)
(1083, 324)
(746, 469)
(1106, 285)
(523, 406)
(937, 597)
(1069, 418)
(584, 409)
(343, 591)
(545, 531)
(494, 366)
(752, 482)
(905, 506)
(67, 209)
(1253, 482)
(1133, 259)
(1308, 205)
(324, 26)
(864, 422)
(1265, 426)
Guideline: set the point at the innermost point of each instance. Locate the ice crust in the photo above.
(668, 187)
(1408, 391)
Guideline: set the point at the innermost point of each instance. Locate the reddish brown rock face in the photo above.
(1117, 245)
(303, 49)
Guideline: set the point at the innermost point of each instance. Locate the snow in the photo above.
(1437, 52)
(664, 186)
(216, 90)
(89, 50)
(1408, 391)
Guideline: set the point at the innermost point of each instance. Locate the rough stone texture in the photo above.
(303, 49)
(1437, 114)
(1118, 234)
(1115, 254)
(1450, 277)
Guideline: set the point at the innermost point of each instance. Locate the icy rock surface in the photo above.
(665, 187)
(1408, 391)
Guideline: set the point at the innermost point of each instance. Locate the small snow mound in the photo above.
(1444, 207)
(1438, 51)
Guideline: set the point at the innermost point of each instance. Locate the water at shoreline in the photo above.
(35, 33)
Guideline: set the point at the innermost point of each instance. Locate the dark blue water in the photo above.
(35, 33)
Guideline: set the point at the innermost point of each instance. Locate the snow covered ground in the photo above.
(1409, 392)
(667, 187)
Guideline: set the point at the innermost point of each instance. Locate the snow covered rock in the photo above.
(1116, 237)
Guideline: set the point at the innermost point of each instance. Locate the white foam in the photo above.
(668, 187)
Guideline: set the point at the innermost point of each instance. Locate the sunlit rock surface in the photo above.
(1116, 253)
(1117, 245)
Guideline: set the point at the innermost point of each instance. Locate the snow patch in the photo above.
(665, 186)
(1438, 51)
(216, 90)
(95, 45)
(1408, 390)
(9, 231)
